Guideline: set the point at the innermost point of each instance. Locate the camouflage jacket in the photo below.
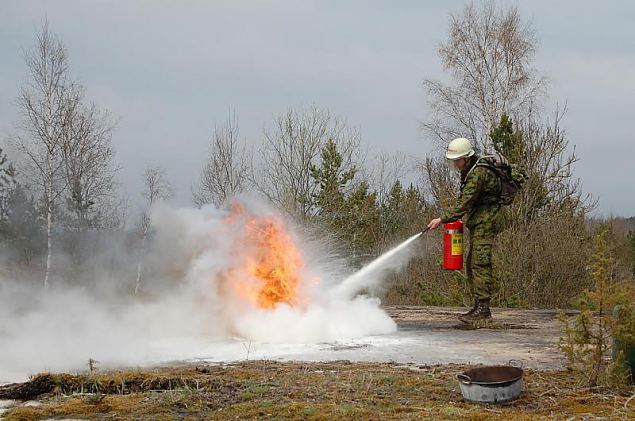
(477, 203)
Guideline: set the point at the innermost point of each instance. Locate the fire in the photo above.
(269, 258)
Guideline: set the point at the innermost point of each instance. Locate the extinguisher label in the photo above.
(457, 244)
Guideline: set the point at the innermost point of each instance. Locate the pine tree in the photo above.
(392, 216)
(7, 172)
(331, 178)
(7, 183)
(329, 201)
(362, 222)
(21, 228)
(589, 336)
(507, 142)
(414, 207)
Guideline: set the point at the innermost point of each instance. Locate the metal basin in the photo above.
(493, 384)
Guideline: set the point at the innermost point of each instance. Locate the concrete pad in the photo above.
(425, 336)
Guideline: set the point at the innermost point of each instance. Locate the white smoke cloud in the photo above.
(190, 310)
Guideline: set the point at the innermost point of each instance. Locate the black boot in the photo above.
(482, 312)
(472, 310)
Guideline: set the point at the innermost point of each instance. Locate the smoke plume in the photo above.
(204, 285)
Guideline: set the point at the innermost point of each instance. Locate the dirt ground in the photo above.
(529, 336)
(433, 335)
(409, 375)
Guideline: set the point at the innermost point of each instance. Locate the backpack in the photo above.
(510, 177)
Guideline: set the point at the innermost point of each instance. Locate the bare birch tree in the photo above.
(489, 55)
(226, 172)
(156, 189)
(89, 167)
(292, 147)
(387, 169)
(43, 106)
(550, 161)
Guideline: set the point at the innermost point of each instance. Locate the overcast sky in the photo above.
(171, 70)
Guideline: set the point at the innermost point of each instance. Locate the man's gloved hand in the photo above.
(434, 223)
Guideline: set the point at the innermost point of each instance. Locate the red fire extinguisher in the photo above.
(453, 245)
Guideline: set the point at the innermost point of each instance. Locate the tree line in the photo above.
(61, 191)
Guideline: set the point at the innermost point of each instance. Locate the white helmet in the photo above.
(459, 148)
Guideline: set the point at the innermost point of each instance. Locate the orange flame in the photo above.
(271, 259)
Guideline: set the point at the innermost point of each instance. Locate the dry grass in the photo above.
(334, 390)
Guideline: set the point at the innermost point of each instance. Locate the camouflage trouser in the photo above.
(480, 279)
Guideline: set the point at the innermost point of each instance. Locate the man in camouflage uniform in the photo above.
(481, 212)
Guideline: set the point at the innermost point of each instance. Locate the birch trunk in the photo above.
(142, 253)
(49, 221)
